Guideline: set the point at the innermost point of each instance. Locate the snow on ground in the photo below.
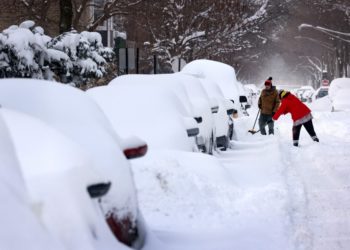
(264, 194)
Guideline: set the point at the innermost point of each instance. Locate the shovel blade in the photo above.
(252, 131)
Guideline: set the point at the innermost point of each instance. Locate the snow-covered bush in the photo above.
(86, 53)
(25, 51)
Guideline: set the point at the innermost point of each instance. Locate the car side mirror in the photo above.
(98, 190)
(191, 126)
(198, 119)
(230, 111)
(243, 98)
(191, 132)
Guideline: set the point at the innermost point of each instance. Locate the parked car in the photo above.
(243, 98)
(339, 91)
(63, 187)
(321, 92)
(192, 95)
(221, 74)
(223, 114)
(143, 108)
(305, 93)
(73, 113)
(202, 106)
(20, 227)
(253, 92)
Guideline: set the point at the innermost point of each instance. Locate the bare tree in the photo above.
(40, 11)
(89, 14)
(202, 28)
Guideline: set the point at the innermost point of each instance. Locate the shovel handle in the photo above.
(256, 118)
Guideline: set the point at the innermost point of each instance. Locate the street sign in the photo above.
(325, 82)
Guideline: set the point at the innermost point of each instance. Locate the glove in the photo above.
(273, 113)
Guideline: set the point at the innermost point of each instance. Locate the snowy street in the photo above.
(278, 196)
(175, 125)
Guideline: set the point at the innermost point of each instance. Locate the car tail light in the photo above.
(123, 229)
(132, 153)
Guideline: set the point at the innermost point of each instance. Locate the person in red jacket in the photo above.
(301, 115)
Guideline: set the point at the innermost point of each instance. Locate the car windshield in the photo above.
(322, 93)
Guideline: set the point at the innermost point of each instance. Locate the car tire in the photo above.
(211, 144)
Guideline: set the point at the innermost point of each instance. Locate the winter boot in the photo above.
(315, 139)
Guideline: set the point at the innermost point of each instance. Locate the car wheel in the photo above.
(211, 144)
(124, 230)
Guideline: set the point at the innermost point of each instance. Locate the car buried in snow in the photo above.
(63, 187)
(17, 215)
(305, 93)
(339, 91)
(191, 95)
(223, 111)
(139, 106)
(202, 107)
(320, 92)
(74, 114)
(222, 75)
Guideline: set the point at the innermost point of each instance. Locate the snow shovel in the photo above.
(256, 131)
(253, 131)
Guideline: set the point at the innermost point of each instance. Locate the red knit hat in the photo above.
(268, 82)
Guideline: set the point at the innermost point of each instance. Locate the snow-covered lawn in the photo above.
(267, 194)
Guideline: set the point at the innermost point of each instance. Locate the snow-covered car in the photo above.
(72, 112)
(243, 98)
(192, 95)
(305, 93)
(320, 92)
(63, 187)
(202, 107)
(142, 108)
(20, 227)
(223, 114)
(253, 92)
(221, 74)
(339, 91)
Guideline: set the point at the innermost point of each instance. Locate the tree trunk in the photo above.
(66, 15)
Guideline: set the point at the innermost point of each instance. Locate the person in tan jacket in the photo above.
(268, 104)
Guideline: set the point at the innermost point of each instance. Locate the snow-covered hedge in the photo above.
(72, 57)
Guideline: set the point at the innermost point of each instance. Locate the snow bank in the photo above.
(339, 92)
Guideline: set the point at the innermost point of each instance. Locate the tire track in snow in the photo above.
(297, 209)
(323, 170)
(254, 163)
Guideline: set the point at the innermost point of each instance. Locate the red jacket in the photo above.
(291, 104)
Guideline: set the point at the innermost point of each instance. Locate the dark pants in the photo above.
(263, 119)
(309, 128)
